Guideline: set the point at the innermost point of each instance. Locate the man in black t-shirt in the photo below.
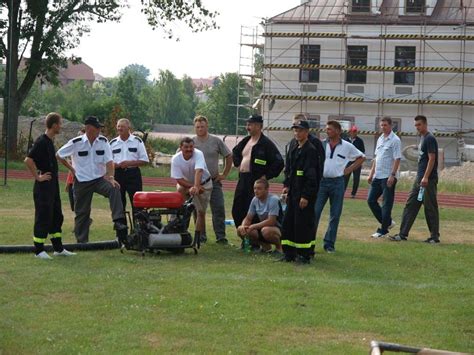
(427, 180)
(41, 162)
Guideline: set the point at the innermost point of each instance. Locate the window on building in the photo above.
(309, 54)
(361, 6)
(414, 6)
(314, 121)
(405, 57)
(356, 55)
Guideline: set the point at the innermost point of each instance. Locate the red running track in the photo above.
(445, 200)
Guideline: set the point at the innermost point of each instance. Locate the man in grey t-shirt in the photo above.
(265, 209)
(213, 149)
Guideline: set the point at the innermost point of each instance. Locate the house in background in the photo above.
(74, 72)
(201, 85)
(359, 60)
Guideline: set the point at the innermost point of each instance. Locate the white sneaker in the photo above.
(43, 255)
(377, 235)
(64, 253)
(393, 224)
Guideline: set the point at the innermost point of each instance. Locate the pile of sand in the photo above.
(462, 173)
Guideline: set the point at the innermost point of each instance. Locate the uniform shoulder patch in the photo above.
(138, 139)
(103, 139)
(113, 141)
(76, 140)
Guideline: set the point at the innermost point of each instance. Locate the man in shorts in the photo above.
(189, 168)
(267, 208)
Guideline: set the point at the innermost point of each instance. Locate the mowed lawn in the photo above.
(225, 301)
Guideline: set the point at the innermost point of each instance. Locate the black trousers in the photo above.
(412, 207)
(298, 230)
(355, 180)
(48, 214)
(130, 181)
(242, 197)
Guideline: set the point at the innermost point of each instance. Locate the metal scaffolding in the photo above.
(305, 27)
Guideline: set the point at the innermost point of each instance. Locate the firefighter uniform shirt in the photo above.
(88, 160)
(43, 154)
(130, 149)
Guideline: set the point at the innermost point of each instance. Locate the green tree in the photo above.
(130, 86)
(220, 108)
(50, 28)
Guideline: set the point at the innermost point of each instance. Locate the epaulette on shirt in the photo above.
(113, 141)
(138, 139)
(103, 139)
(76, 140)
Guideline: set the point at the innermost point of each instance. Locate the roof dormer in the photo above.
(361, 7)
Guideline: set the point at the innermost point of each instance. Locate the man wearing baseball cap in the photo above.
(301, 185)
(93, 170)
(256, 157)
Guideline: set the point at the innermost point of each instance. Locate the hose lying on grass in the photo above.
(103, 245)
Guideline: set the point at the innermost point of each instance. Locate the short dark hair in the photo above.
(264, 182)
(386, 119)
(52, 118)
(334, 124)
(186, 140)
(421, 118)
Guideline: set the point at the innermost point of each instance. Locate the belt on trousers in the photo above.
(206, 181)
(128, 169)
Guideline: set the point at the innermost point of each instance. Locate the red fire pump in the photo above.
(160, 222)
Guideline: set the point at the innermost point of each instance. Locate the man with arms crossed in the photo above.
(383, 177)
(129, 153)
(427, 179)
(267, 208)
(41, 162)
(213, 148)
(189, 168)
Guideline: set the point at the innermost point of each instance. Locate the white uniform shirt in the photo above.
(337, 158)
(386, 152)
(130, 149)
(186, 169)
(87, 160)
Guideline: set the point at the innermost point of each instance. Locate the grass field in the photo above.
(225, 301)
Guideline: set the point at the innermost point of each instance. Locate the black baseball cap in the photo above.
(255, 119)
(301, 124)
(93, 121)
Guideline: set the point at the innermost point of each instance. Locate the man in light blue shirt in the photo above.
(383, 177)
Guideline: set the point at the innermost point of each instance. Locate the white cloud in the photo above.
(111, 46)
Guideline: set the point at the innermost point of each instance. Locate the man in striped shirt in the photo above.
(383, 177)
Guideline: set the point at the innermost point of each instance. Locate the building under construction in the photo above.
(359, 60)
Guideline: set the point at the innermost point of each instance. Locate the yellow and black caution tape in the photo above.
(360, 99)
(370, 133)
(369, 68)
(382, 36)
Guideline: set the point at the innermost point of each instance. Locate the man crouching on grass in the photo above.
(189, 169)
(266, 208)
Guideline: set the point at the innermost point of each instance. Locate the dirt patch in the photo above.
(154, 340)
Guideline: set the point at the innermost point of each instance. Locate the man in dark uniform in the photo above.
(257, 157)
(129, 154)
(359, 144)
(302, 177)
(315, 141)
(41, 162)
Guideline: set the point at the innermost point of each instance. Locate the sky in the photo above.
(110, 47)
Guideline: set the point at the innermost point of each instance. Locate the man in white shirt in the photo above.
(189, 169)
(383, 177)
(93, 170)
(128, 153)
(338, 153)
